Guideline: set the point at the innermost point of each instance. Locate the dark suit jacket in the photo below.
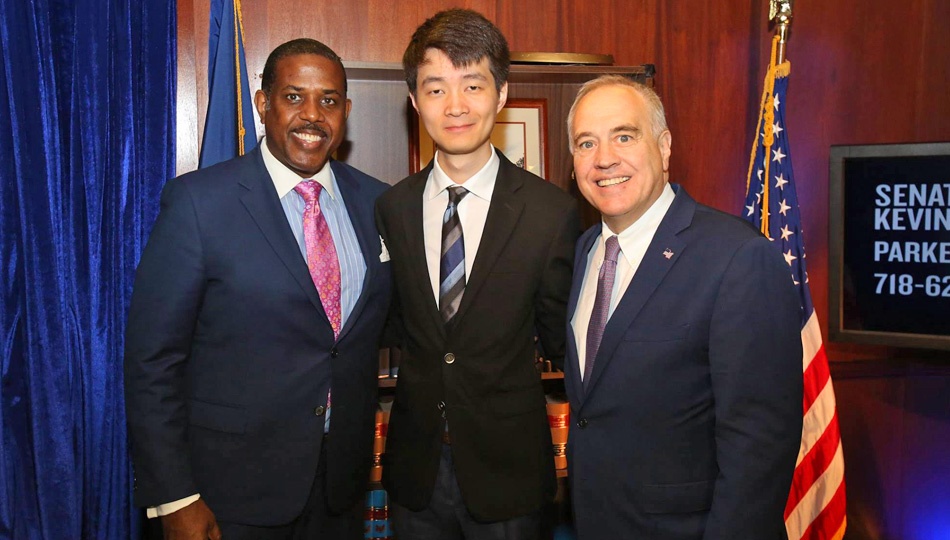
(691, 422)
(229, 353)
(492, 394)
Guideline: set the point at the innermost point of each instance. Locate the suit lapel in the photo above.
(413, 234)
(503, 214)
(362, 220)
(654, 267)
(263, 205)
(584, 245)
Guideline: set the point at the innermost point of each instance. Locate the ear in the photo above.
(665, 141)
(502, 97)
(412, 98)
(260, 102)
(349, 105)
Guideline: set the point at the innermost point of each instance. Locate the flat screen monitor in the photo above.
(889, 221)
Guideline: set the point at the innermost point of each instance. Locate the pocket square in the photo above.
(383, 252)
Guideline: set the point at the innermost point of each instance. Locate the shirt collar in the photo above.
(645, 227)
(480, 184)
(285, 180)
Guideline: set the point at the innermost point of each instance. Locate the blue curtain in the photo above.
(87, 92)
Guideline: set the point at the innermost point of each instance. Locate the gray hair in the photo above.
(657, 114)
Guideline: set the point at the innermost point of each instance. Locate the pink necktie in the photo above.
(321, 253)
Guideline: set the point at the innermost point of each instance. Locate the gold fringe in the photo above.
(844, 525)
(238, 39)
(766, 121)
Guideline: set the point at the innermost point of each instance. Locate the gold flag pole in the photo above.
(780, 11)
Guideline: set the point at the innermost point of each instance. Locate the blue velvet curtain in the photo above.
(87, 91)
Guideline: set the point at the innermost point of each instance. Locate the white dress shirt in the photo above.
(634, 241)
(472, 212)
(352, 265)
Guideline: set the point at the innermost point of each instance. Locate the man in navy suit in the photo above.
(684, 352)
(252, 342)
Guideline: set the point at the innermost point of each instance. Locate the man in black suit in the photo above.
(481, 253)
(684, 352)
(252, 343)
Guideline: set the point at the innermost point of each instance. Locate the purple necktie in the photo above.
(598, 317)
(321, 253)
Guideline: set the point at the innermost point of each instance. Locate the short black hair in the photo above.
(293, 48)
(465, 36)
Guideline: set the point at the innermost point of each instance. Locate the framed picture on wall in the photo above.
(520, 132)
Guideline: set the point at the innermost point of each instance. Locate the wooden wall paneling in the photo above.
(186, 114)
(705, 63)
(872, 422)
(933, 73)
(528, 28)
(895, 427)
(925, 486)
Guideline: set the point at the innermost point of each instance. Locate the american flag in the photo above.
(816, 504)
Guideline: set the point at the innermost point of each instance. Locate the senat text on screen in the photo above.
(912, 194)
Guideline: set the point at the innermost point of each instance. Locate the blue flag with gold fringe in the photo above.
(229, 125)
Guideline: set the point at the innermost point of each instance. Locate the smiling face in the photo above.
(620, 166)
(305, 114)
(458, 106)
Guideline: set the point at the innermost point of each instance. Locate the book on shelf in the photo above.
(395, 357)
(376, 524)
(389, 358)
(379, 438)
(559, 418)
(384, 363)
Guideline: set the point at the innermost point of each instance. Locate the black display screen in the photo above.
(890, 244)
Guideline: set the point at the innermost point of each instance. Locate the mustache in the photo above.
(311, 128)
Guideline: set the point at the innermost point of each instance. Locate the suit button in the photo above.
(582, 423)
(334, 353)
(320, 410)
(449, 358)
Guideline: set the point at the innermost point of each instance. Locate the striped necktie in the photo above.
(452, 262)
(598, 316)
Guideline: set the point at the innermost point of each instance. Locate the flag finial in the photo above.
(780, 11)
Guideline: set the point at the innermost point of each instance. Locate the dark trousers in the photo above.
(446, 518)
(314, 523)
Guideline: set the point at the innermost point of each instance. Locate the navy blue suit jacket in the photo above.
(229, 353)
(691, 421)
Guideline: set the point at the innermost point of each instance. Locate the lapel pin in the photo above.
(668, 253)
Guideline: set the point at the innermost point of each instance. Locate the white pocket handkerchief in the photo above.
(383, 252)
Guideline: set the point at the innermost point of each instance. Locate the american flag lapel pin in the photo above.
(668, 253)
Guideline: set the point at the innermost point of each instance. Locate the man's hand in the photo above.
(193, 522)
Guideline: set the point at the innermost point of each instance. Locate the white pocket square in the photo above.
(383, 252)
